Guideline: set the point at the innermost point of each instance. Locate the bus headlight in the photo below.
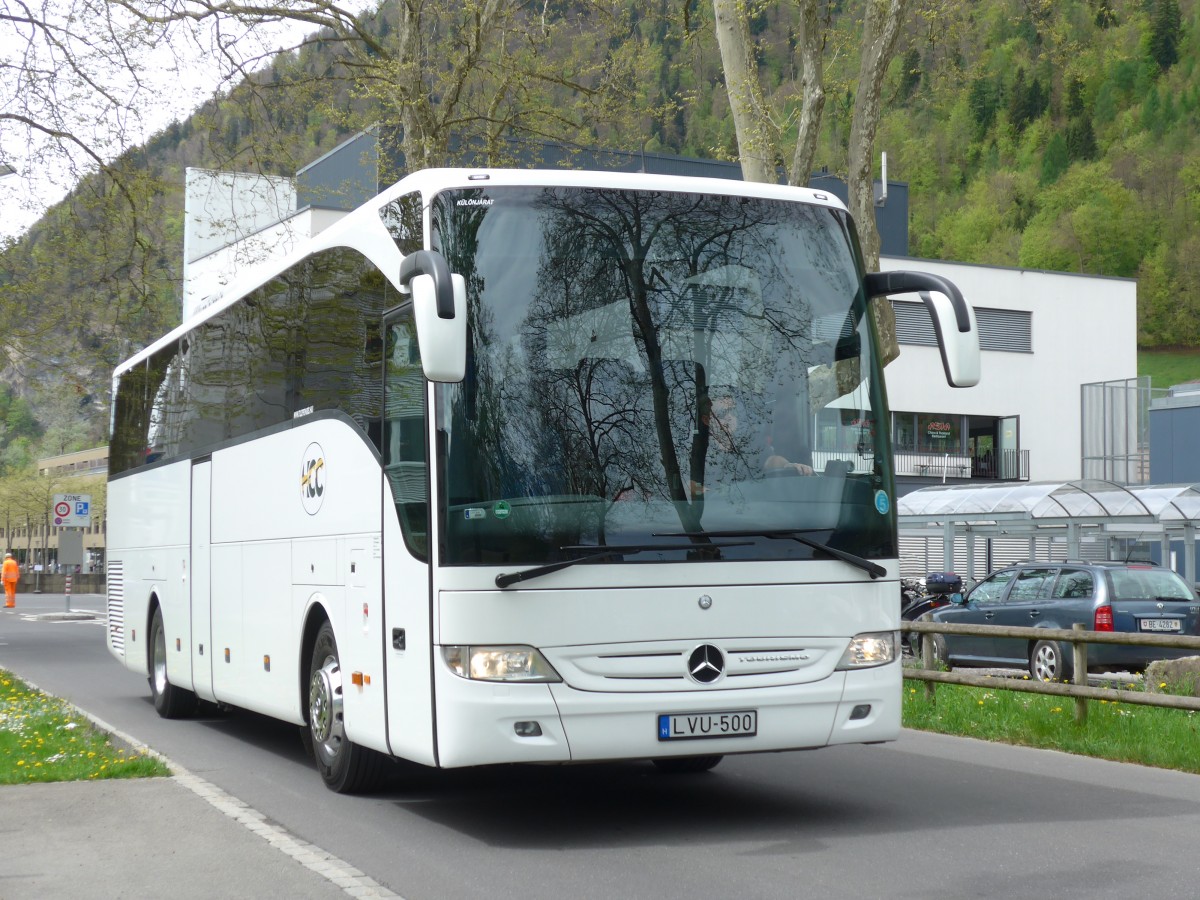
(875, 648)
(499, 663)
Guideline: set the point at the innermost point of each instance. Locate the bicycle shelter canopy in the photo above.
(1055, 509)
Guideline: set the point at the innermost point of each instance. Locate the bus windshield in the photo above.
(687, 376)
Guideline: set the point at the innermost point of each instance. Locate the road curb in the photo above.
(335, 870)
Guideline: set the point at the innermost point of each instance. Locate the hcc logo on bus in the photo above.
(312, 479)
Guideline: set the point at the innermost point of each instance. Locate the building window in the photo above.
(928, 432)
(1009, 330)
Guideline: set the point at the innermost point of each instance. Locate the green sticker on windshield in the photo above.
(501, 509)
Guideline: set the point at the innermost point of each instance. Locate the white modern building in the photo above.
(1045, 337)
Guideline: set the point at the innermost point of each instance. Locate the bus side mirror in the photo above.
(443, 341)
(953, 319)
(440, 312)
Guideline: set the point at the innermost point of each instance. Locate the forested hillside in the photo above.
(1056, 135)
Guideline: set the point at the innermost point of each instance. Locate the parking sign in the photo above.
(72, 510)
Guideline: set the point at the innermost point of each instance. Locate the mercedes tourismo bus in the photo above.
(527, 467)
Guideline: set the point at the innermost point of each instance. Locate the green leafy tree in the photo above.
(985, 102)
(1090, 223)
(1105, 17)
(1165, 27)
(910, 77)
(1056, 159)
(1081, 139)
(1075, 102)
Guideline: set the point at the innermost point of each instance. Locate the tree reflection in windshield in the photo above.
(647, 361)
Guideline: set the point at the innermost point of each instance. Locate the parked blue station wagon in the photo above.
(1103, 596)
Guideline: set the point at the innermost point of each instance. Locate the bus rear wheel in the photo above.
(345, 767)
(170, 702)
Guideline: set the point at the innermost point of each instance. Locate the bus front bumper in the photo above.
(482, 723)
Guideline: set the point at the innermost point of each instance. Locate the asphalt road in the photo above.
(927, 817)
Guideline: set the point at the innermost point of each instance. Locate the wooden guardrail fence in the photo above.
(1079, 689)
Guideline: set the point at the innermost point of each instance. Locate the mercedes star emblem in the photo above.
(706, 664)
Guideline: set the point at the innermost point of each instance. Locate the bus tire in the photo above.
(345, 767)
(686, 765)
(170, 702)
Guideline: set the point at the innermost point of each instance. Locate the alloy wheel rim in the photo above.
(1046, 664)
(325, 710)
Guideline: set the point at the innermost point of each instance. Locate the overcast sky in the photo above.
(178, 72)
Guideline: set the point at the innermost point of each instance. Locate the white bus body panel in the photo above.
(621, 653)
(200, 579)
(410, 679)
(274, 559)
(238, 575)
(149, 534)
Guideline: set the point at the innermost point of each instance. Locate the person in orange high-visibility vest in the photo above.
(10, 572)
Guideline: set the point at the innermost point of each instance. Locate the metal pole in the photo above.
(1073, 540)
(1189, 553)
(37, 567)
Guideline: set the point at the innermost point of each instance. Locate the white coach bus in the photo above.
(527, 467)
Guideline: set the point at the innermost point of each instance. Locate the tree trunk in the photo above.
(881, 29)
(810, 46)
(750, 119)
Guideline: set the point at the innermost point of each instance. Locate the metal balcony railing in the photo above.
(1002, 465)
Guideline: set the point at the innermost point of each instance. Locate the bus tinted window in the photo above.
(337, 320)
(308, 340)
(139, 413)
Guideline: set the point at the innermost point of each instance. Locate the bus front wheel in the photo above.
(345, 767)
(170, 702)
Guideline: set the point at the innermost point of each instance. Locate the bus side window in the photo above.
(404, 430)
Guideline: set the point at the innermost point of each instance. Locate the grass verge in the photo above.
(43, 738)
(1164, 738)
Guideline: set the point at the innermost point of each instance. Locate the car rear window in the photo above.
(1148, 584)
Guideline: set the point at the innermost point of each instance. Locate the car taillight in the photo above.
(1104, 619)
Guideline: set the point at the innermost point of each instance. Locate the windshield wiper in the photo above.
(504, 579)
(795, 534)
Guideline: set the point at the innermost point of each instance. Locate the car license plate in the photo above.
(691, 726)
(1159, 624)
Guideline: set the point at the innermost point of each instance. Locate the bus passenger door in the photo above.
(200, 579)
(406, 543)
